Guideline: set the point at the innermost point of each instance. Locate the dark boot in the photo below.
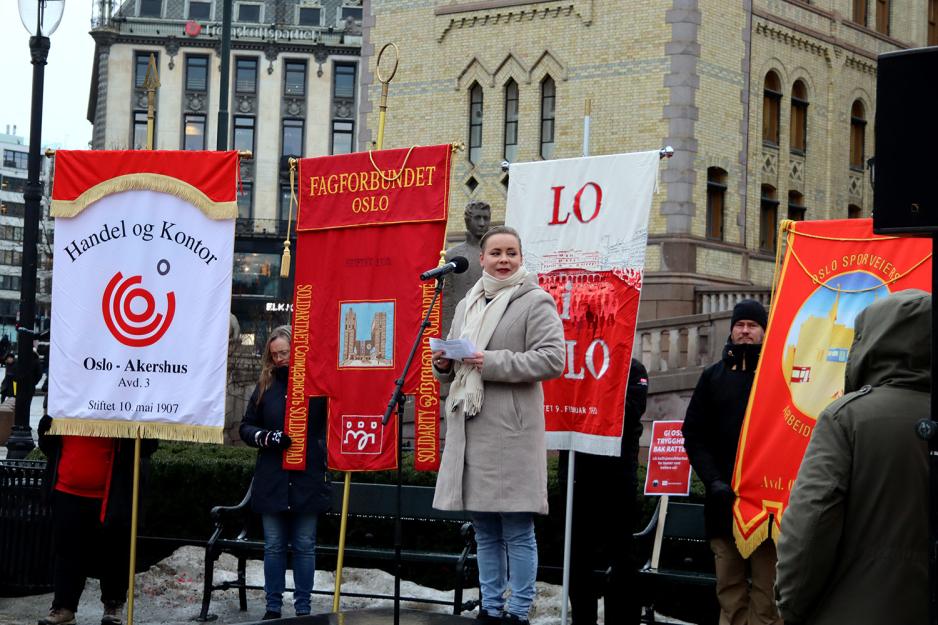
(58, 616)
(511, 619)
(485, 617)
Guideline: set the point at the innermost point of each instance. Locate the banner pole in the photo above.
(383, 101)
(567, 539)
(151, 83)
(340, 559)
(568, 517)
(382, 111)
(133, 530)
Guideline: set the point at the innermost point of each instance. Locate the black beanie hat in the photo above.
(750, 310)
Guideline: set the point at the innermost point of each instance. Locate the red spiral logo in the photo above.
(130, 328)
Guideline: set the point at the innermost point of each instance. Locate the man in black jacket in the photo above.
(711, 435)
(604, 508)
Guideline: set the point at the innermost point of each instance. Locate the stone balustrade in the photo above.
(719, 299)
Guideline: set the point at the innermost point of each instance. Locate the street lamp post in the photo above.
(41, 18)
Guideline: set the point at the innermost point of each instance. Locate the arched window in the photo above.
(882, 16)
(799, 118)
(857, 135)
(768, 218)
(716, 201)
(548, 100)
(796, 208)
(854, 212)
(771, 107)
(475, 123)
(511, 121)
(859, 11)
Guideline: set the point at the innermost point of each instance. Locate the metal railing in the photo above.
(250, 226)
(25, 529)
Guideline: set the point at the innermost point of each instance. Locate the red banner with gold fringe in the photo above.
(832, 270)
(369, 223)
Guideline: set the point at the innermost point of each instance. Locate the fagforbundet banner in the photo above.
(832, 271)
(369, 223)
(141, 292)
(584, 228)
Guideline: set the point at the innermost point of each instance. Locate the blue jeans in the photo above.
(299, 531)
(506, 553)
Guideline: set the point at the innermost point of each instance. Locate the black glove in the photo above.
(45, 424)
(721, 491)
(272, 439)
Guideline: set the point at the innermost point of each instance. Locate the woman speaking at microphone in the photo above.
(495, 460)
(289, 502)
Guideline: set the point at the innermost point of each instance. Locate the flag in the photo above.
(584, 228)
(369, 223)
(832, 270)
(141, 293)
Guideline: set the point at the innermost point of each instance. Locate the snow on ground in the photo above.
(170, 593)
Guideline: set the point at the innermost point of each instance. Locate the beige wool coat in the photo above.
(497, 460)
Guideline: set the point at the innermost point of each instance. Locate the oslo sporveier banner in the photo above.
(369, 223)
(832, 271)
(584, 227)
(141, 292)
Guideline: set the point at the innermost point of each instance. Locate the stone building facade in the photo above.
(768, 104)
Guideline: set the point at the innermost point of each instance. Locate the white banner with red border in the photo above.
(584, 228)
(141, 293)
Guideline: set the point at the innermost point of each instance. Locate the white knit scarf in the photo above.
(485, 304)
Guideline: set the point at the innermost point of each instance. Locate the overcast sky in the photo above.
(67, 80)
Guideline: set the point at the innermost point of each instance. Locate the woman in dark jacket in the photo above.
(289, 502)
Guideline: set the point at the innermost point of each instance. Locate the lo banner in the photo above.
(832, 271)
(141, 293)
(584, 227)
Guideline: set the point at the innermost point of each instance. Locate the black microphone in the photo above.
(458, 265)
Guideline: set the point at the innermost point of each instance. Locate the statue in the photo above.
(478, 217)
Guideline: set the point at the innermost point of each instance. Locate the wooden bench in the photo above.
(678, 579)
(236, 533)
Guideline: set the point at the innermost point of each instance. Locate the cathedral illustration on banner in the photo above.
(820, 338)
(366, 335)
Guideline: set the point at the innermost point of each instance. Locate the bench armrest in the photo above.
(218, 513)
(643, 541)
(467, 532)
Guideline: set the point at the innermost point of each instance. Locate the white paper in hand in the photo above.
(454, 349)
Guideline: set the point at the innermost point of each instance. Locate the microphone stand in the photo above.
(399, 399)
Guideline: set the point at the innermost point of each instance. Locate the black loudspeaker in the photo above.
(905, 169)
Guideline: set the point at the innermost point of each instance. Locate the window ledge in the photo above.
(482, 5)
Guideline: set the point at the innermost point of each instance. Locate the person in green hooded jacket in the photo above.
(854, 539)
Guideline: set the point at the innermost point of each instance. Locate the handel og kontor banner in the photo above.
(141, 293)
(584, 227)
(832, 270)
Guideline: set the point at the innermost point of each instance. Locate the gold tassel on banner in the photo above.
(285, 258)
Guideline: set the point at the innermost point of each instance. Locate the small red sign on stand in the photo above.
(668, 465)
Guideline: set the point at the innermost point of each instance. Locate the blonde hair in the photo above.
(500, 230)
(267, 362)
